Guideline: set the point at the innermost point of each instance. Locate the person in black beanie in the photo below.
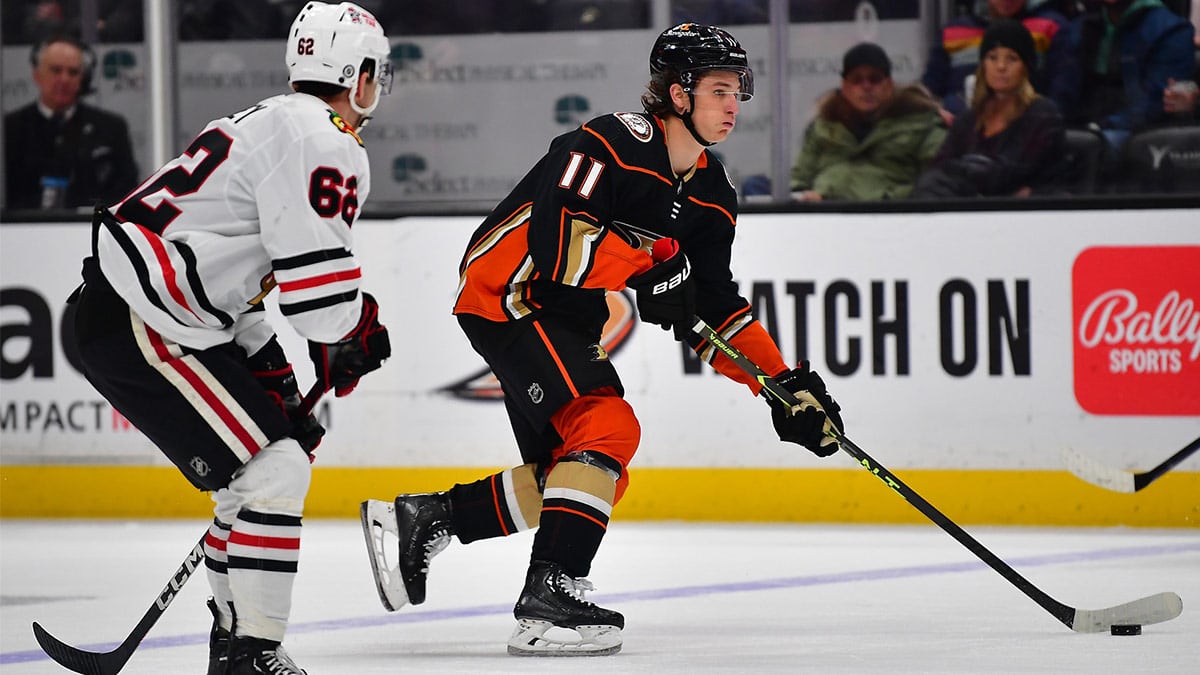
(1015, 36)
(1011, 140)
(956, 53)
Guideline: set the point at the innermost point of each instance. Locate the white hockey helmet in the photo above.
(329, 43)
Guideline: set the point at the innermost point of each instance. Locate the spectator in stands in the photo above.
(58, 151)
(1131, 49)
(954, 58)
(464, 17)
(232, 20)
(1182, 100)
(868, 141)
(1010, 142)
(32, 21)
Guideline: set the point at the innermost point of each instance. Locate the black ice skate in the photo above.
(554, 599)
(421, 524)
(255, 656)
(218, 644)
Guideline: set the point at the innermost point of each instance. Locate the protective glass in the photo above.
(383, 75)
(745, 81)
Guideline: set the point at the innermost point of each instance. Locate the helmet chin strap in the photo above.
(686, 116)
(364, 113)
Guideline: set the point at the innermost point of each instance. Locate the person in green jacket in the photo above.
(869, 140)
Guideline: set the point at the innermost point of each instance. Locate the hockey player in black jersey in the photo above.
(171, 328)
(531, 300)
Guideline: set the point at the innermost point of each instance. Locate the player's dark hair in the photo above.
(324, 90)
(656, 100)
(321, 90)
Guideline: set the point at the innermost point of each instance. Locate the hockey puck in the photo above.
(1131, 629)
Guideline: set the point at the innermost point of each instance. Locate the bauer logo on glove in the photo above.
(682, 276)
(666, 295)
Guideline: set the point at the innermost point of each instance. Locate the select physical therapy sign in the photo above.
(952, 341)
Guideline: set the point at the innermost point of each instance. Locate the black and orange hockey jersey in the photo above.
(584, 219)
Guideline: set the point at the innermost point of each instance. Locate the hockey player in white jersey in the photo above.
(171, 329)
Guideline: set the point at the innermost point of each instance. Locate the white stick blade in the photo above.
(1098, 474)
(1148, 610)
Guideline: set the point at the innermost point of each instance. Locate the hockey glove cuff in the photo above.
(666, 295)
(340, 365)
(271, 368)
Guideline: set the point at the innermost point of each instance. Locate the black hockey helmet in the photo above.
(690, 49)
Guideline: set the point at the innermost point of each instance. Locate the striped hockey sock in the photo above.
(263, 554)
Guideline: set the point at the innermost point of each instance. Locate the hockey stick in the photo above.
(1151, 609)
(111, 663)
(1122, 481)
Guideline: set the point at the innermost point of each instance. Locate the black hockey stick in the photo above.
(1151, 609)
(1117, 479)
(111, 663)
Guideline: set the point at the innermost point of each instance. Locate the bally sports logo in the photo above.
(1137, 330)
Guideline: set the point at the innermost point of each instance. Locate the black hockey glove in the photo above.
(665, 293)
(341, 364)
(806, 426)
(270, 367)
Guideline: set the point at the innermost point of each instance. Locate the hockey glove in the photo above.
(665, 293)
(339, 365)
(807, 425)
(270, 367)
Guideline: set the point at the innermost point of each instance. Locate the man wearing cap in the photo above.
(869, 140)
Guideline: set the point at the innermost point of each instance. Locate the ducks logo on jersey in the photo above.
(637, 125)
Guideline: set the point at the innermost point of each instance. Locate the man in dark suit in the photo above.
(60, 152)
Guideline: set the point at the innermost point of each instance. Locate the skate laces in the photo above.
(278, 662)
(576, 587)
(437, 543)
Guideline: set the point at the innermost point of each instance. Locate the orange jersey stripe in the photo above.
(496, 503)
(623, 165)
(573, 512)
(557, 361)
(732, 220)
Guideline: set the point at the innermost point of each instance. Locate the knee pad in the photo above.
(580, 483)
(601, 423)
(275, 480)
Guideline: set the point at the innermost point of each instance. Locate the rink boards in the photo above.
(967, 350)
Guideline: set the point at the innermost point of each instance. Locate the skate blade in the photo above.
(531, 638)
(378, 522)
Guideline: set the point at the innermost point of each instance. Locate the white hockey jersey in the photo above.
(263, 198)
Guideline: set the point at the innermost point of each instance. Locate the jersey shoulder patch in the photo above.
(640, 127)
(344, 127)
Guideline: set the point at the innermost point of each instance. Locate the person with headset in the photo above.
(58, 151)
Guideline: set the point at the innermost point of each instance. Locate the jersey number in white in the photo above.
(589, 179)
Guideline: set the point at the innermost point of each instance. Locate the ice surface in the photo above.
(730, 598)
